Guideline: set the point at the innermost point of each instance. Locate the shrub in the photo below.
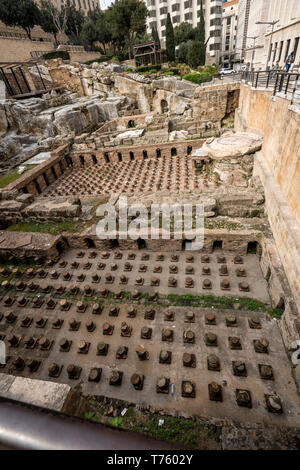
(103, 58)
(170, 71)
(129, 69)
(148, 68)
(57, 55)
(207, 68)
(198, 77)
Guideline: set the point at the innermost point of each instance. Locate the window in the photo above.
(175, 7)
(215, 33)
(280, 50)
(188, 16)
(217, 10)
(188, 4)
(287, 48)
(270, 51)
(215, 47)
(275, 50)
(163, 10)
(216, 22)
(228, 21)
(296, 44)
(163, 22)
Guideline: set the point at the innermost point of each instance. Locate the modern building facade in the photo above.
(229, 27)
(262, 45)
(188, 11)
(84, 5)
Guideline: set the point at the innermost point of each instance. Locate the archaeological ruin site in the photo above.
(208, 337)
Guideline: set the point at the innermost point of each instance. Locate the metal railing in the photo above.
(14, 78)
(287, 84)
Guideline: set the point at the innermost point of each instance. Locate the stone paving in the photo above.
(228, 363)
(175, 173)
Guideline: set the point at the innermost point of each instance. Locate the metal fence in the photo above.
(287, 84)
(17, 85)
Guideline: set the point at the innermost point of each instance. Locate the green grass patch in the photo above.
(184, 431)
(207, 301)
(9, 178)
(178, 430)
(53, 228)
(13, 175)
(276, 312)
(117, 422)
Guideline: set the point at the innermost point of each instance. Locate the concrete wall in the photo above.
(278, 166)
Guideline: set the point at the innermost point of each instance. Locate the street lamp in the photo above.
(271, 23)
(253, 52)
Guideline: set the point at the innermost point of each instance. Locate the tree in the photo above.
(196, 54)
(47, 18)
(183, 33)
(155, 36)
(170, 41)
(23, 13)
(74, 23)
(183, 51)
(89, 34)
(96, 29)
(103, 29)
(200, 36)
(127, 19)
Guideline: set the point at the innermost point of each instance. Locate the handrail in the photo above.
(25, 428)
(286, 83)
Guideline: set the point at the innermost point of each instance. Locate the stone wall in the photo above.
(19, 50)
(87, 158)
(36, 180)
(31, 244)
(235, 243)
(278, 166)
(215, 102)
(279, 123)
